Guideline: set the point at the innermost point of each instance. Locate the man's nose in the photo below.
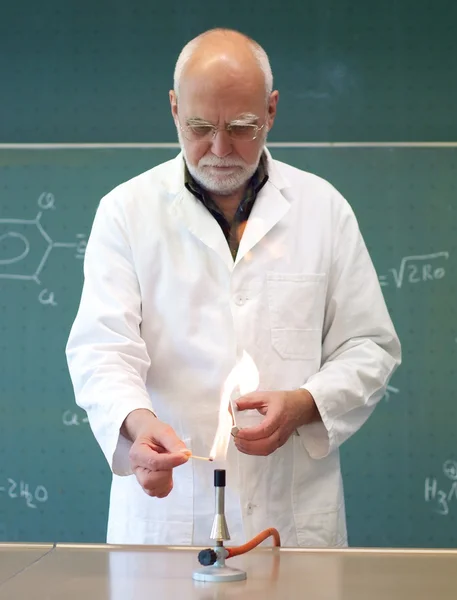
(222, 144)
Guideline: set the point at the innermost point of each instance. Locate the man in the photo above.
(222, 251)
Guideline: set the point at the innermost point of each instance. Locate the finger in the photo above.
(257, 448)
(158, 484)
(263, 430)
(262, 447)
(164, 493)
(167, 438)
(251, 401)
(142, 455)
(161, 450)
(152, 480)
(265, 446)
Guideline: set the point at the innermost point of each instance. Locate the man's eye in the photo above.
(242, 131)
(200, 130)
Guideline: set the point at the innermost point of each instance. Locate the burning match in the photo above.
(202, 457)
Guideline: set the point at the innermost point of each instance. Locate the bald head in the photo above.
(223, 55)
(223, 107)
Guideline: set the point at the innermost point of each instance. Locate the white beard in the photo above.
(223, 184)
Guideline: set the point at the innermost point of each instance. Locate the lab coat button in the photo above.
(241, 299)
(250, 508)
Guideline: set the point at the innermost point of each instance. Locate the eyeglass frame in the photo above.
(225, 128)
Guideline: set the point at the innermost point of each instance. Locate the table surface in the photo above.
(104, 572)
(16, 557)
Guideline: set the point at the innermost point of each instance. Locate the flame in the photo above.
(245, 376)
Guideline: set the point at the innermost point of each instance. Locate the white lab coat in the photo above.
(164, 314)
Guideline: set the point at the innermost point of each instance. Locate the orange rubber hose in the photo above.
(258, 539)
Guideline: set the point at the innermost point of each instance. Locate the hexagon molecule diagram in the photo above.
(25, 247)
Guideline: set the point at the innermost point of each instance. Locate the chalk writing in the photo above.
(440, 498)
(20, 489)
(70, 419)
(46, 200)
(416, 269)
(17, 236)
(47, 297)
(389, 391)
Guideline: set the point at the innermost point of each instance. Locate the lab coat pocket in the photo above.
(296, 303)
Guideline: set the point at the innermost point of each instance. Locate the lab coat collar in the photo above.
(275, 176)
(269, 207)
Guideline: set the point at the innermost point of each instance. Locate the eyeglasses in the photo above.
(202, 132)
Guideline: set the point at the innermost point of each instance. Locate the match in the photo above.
(201, 457)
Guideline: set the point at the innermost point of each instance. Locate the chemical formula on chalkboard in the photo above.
(441, 498)
(24, 239)
(416, 269)
(17, 490)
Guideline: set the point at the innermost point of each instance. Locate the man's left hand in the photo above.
(284, 411)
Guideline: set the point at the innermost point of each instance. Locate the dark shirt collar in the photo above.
(232, 231)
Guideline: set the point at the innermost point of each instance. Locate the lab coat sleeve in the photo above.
(360, 348)
(106, 354)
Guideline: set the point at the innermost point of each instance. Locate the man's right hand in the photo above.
(155, 452)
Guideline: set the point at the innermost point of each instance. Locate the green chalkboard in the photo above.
(347, 70)
(399, 470)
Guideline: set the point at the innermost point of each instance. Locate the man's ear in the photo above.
(272, 108)
(173, 105)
